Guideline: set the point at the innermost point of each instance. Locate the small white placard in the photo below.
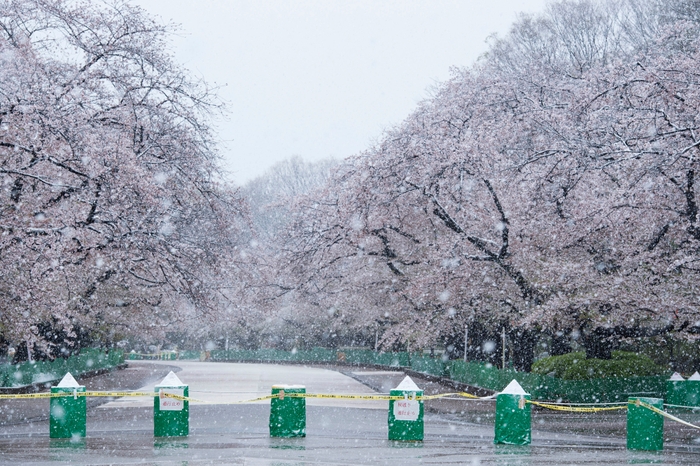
(406, 410)
(171, 404)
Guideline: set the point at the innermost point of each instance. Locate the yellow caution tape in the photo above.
(178, 397)
(663, 413)
(341, 397)
(75, 394)
(376, 397)
(121, 394)
(33, 395)
(460, 394)
(252, 400)
(262, 398)
(281, 395)
(575, 409)
(115, 395)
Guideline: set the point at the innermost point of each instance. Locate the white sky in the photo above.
(324, 78)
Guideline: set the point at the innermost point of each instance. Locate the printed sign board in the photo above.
(171, 404)
(406, 410)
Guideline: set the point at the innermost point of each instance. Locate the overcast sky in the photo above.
(324, 78)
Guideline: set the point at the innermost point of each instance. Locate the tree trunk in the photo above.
(599, 343)
(561, 344)
(523, 343)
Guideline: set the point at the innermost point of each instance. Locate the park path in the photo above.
(225, 382)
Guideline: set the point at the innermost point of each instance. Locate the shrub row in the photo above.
(575, 366)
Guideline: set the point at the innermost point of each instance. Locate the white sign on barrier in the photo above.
(171, 404)
(406, 410)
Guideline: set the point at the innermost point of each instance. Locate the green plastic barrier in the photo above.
(316, 355)
(406, 416)
(358, 356)
(171, 417)
(287, 415)
(375, 358)
(692, 392)
(393, 359)
(645, 428)
(68, 415)
(429, 365)
(676, 392)
(513, 416)
(190, 355)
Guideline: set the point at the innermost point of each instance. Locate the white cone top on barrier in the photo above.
(695, 376)
(514, 388)
(171, 380)
(677, 376)
(408, 385)
(288, 387)
(68, 381)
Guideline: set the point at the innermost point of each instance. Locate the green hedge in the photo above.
(545, 387)
(575, 366)
(556, 366)
(28, 373)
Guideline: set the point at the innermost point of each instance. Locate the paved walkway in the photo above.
(222, 383)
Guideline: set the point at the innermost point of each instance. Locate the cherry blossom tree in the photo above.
(549, 188)
(271, 199)
(113, 214)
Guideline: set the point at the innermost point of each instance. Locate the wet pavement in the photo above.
(221, 383)
(456, 432)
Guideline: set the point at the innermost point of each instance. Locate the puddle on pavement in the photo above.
(288, 443)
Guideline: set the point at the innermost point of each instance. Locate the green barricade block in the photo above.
(406, 416)
(287, 414)
(68, 414)
(676, 390)
(171, 417)
(645, 428)
(692, 390)
(513, 416)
